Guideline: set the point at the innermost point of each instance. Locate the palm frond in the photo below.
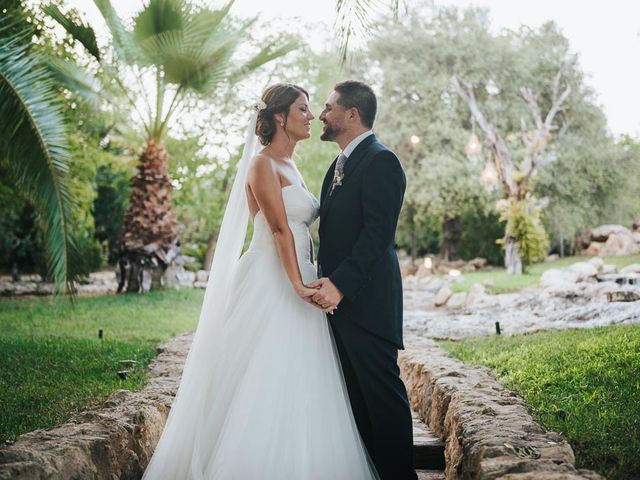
(354, 19)
(123, 41)
(159, 16)
(75, 79)
(36, 150)
(79, 31)
(275, 49)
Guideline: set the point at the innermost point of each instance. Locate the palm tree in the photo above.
(184, 50)
(34, 147)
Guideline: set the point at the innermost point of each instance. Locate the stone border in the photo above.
(487, 430)
(115, 440)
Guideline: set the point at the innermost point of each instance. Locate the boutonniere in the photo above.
(337, 180)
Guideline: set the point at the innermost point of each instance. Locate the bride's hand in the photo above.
(305, 292)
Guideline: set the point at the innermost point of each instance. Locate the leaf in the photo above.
(157, 17)
(36, 150)
(79, 31)
(123, 41)
(75, 79)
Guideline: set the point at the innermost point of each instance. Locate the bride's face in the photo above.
(299, 119)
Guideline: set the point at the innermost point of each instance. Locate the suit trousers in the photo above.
(378, 398)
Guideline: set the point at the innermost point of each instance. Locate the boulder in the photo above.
(477, 296)
(608, 269)
(633, 268)
(594, 248)
(636, 236)
(636, 223)
(423, 271)
(603, 232)
(584, 270)
(478, 262)
(558, 277)
(597, 262)
(443, 295)
(430, 284)
(620, 244)
(457, 300)
(202, 276)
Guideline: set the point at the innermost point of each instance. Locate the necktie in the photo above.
(338, 172)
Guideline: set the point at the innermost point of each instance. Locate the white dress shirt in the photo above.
(348, 150)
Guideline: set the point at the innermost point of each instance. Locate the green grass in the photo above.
(503, 282)
(584, 383)
(52, 363)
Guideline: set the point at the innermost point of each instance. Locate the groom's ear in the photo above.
(354, 114)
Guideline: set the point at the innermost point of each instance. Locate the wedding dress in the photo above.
(272, 404)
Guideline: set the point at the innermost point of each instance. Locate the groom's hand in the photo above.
(328, 296)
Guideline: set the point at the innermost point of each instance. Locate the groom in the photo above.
(358, 268)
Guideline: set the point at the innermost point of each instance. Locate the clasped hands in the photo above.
(323, 294)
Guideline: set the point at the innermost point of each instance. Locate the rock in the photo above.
(430, 284)
(457, 300)
(423, 271)
(552, 258)
(477, 296)
(636, 223)
(623, 296)
(478, 262)
(594, 248)
(202, 285)
(443, 295)
(468, 268)
(603, 232)
(633, 268)
(186, 278)
(584, 270)
(597, 262)
(608, 269)
(202, 276)
(636, 236)
(558, 277)
(620, 244)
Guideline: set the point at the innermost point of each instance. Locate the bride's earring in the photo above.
(282, 124)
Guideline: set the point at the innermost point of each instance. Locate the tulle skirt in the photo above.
(272, 404)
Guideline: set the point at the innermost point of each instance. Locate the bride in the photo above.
(262, 394)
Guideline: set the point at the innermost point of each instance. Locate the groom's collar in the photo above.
(348, 150)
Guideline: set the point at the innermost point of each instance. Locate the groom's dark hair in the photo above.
(354, 94)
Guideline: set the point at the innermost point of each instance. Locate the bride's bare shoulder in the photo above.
(262, 166)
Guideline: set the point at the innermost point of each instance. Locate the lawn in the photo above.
(501, 281)
(584, 383)
(52, 363)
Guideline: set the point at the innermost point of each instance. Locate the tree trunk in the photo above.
(451, 235)
(512, 260)
(150, 229)
(211, 248)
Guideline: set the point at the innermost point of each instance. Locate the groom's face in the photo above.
(333, 117)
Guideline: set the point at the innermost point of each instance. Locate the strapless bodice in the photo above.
(302, 210)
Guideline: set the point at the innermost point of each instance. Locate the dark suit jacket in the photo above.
(357, 239)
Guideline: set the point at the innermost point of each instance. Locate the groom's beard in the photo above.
(329, 134)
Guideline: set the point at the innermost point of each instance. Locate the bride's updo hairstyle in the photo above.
(277, 98)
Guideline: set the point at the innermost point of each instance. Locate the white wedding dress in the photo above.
(274, 406)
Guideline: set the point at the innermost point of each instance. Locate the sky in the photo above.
(605, 34)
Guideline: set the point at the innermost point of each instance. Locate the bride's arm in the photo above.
(265, 186)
